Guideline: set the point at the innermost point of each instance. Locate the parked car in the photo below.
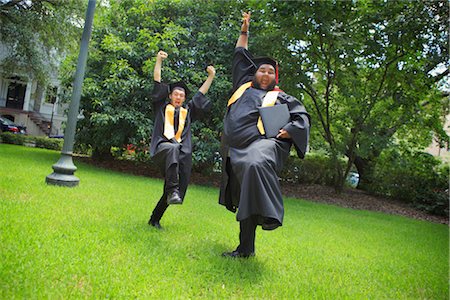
(8, 126)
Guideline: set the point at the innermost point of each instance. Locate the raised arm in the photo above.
(207, 84)
(157, 71)
(243, 36)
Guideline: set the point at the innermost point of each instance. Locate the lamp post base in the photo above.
(62, 180)
(63, 172)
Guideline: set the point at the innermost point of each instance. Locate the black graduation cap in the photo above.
(258, 61)
(179, 84)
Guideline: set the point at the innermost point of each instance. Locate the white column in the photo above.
(26, 102)
(3, 91)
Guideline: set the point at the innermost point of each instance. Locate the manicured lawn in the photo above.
(93, 241)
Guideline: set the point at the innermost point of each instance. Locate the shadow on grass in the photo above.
(195, 256)
(233, 273)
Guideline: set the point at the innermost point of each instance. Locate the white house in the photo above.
(27, 103)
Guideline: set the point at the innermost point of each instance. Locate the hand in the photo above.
(245, 21)
(283, 134)
(161, 55)
(211, 70)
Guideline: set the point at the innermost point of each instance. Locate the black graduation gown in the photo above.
(251, 162)
(196, 107)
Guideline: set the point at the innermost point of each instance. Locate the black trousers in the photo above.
(247, 235)
(167, 158)
(176, 169)
(162, 205)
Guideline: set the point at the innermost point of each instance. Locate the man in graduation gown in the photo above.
(252, 162)
(171, 146)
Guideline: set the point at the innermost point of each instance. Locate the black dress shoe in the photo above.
(174, 198)
(237, 254)
(154, 224)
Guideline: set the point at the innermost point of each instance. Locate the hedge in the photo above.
(37, 141)
(313, 169)
(15, 139)
(49, 143)
(414, 177)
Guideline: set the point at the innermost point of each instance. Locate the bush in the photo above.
(38, 141)
(11, 138)
(48, 143)
(414, 177)
(205, 151)
(314, 169)
(82, 148)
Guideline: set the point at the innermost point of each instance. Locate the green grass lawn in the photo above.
(93, 241)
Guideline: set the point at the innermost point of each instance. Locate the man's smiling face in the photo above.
(177, 97)
(265, 77)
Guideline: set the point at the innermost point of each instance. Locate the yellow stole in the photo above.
(169, 130)
(269, 100)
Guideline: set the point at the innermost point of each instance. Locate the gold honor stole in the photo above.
(269, 100)
(169, 130)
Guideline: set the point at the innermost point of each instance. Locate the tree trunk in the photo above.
(338, 176)
(364, 167)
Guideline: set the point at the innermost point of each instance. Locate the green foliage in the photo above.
(313, 169)
(413, 177)
(36, 33)
(205, 152)
(365, 71)
(127, 35)
(362, 68)
(37, 141)
(11, 138)
(82, 149)
(48, 143)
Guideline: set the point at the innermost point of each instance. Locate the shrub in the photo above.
(205, 151)
(11, 138)
(38, 141)
(414, 177)
(140, 152)
(82, 148)
(48, 143)
(313, 169)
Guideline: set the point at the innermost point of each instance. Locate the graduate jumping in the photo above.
(252, 162)
(171, 146)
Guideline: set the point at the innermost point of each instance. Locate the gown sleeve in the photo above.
(199, 106)
(160, 92)
(299, 125)
(243, 68)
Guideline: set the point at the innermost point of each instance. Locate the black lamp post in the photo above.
(64, 168)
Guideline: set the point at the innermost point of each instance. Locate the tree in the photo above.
(37, 33)
(365, 71)
(362, 68)
(126, 37)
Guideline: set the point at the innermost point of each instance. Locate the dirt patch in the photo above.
(357, 199)
(349, 198)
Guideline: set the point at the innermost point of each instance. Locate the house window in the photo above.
(50, 95)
